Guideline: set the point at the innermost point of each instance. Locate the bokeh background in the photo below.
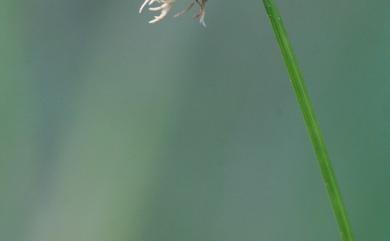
(116, 130)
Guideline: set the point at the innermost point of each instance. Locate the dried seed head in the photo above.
(166, 5)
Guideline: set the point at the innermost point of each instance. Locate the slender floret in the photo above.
(166, 5)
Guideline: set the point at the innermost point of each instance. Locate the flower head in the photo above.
(166, 5)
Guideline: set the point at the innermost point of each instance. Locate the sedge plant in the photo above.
(302, 95)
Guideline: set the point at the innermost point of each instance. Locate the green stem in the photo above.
(310, 120)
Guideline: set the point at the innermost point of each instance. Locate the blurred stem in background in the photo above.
(310, 120)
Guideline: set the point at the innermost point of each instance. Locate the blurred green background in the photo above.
(116, 130)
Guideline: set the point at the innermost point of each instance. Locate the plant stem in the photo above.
(310, 120)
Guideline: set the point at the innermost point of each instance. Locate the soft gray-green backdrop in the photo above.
(116, 130)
